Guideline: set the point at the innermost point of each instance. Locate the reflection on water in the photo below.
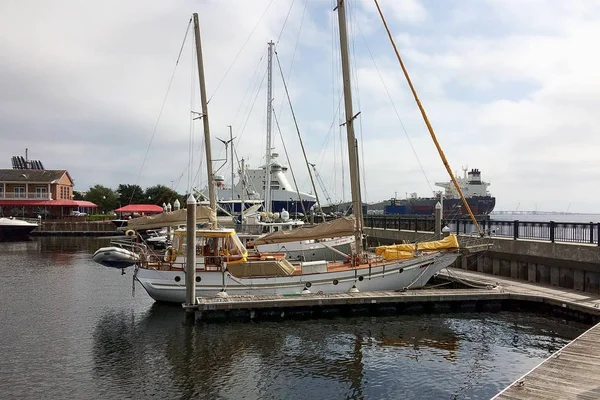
(71, 329)
(456, 356)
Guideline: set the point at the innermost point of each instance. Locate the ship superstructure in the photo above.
(474, 189)
(252, 190)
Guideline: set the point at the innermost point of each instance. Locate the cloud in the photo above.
(509, 86)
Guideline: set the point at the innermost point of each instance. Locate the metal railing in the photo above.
(567, 232)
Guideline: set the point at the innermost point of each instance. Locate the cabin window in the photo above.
(178, 244)
(233, 246)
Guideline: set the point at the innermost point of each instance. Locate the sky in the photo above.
(510, 88)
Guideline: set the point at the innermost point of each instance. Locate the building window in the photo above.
(41, 192)
(1, 191)
(19, 192)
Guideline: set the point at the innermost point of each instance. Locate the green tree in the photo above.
(160, 194)
(131, 194)
(78, 195)
(105, 198)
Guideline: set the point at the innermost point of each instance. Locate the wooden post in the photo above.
(190, 260)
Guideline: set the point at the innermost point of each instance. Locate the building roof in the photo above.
(32, 175)
(139, 208)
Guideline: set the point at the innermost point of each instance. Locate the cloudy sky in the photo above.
(511, 87)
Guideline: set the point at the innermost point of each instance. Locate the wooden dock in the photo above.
(488, 292)
(573, 372)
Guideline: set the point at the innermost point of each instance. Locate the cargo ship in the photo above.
(474, 189)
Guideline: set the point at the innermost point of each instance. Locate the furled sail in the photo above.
(172, 218)
(336, 228)
(400, 251)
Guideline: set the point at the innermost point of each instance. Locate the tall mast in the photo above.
(209, 167)
(269, 119)
(352, 153)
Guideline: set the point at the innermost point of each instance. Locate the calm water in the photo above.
(583, 218)
(71, 329)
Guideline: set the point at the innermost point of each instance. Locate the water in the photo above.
(580, 218)
(71, 329)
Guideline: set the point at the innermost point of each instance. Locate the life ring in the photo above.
(130, 232)
(170, 255)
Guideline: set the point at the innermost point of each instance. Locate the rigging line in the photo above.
(285, 22)
(295, 48)
(162, 107)
(329, 132)
(290, 165)
(395, 110)
(254, 75)
(242, 130)
(239, 52)
(360, 125)
(300, 138)
(429, 127)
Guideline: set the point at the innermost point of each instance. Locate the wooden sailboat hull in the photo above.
(169, 286)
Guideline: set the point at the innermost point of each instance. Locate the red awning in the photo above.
(84, 203)
(140, 208)
(40, 203)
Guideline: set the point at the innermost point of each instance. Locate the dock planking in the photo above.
(570, 373)
(486, 288)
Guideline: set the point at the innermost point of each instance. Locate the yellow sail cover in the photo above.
(401, 251)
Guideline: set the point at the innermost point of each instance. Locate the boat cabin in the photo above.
(212, 247)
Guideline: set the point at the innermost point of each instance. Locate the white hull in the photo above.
(310, 250)
(115, 257)
(169, 286)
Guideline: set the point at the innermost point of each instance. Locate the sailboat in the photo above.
(225, 267)
(271, 184)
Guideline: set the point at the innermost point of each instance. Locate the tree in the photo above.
(131, 194)
(160, 194)
(78, 195)
(105, 198)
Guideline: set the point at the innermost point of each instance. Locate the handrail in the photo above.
(552, 231)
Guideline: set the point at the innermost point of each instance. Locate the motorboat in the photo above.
(15, 228)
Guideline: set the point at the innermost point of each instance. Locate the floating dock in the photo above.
(488, 293)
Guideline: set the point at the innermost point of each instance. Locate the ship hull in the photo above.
(480, 205)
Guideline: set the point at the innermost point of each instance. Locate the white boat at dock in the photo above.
(13, 228)
(224, 265)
